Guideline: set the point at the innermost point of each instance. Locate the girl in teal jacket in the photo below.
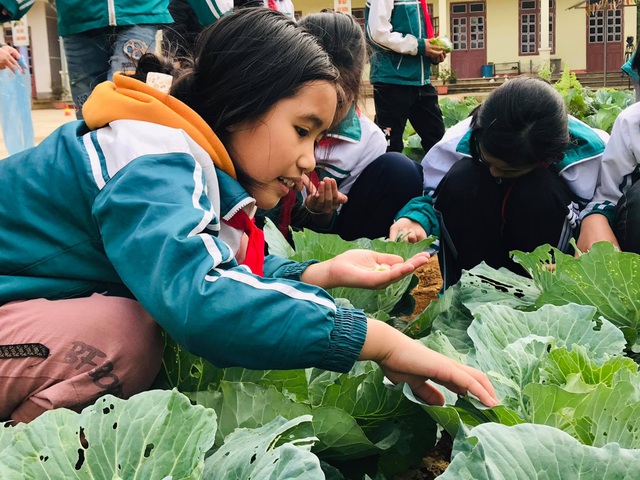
(142, 212)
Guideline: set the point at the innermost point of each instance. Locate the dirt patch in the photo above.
(429, 285)
(434, 463)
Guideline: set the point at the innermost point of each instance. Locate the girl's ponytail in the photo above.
(149, 62)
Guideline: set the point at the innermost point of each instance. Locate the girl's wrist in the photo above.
(317, 274)
(311, 211)
(379, 341)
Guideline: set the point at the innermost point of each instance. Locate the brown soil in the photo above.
(434, 463)
(429, 285)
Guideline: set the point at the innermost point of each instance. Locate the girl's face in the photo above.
(277, 148)
(501, 169)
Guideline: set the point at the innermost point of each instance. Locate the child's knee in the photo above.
(97, 345)
(120, 351)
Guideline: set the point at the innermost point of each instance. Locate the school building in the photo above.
(509, 33)
(500, 36)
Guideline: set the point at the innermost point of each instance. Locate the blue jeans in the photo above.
(94, 56)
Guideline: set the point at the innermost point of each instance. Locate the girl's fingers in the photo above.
(419, 259)
(428, 393)
(482, 379)
(459, 379)
(388, 258)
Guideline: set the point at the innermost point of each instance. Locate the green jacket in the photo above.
(77, 16)
(397, 33)
(210, 11)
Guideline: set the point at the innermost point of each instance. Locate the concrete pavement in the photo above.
(44, 122)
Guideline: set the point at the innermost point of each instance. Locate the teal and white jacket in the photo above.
(348, 149)
(626, 68)
(580, 167)
(620, 163)
(77, 16)
(397, 33)
(130, 202)
(210, 11)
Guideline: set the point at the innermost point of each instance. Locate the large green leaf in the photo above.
(190, 374)
(248, 405)
(452, 318)
(448, 306)
(156, 434)
(272, 452)
(354, 415)
(533, 452)
(562, 363)
(512, 346)
(185, 371)
(597, 404)
(459, 411)
(603, 415)
(605, 278)
(497, 326)
(484, 284)
(278, 245)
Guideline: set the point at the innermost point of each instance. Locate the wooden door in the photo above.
(468, 34)
(604, 33)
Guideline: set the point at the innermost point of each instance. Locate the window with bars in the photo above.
(468, 26)
(529, 13)
(613, 26)
(476, 33)
(459, 33)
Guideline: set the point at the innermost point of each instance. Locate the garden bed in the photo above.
(434, 463)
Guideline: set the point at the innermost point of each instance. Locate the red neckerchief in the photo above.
(254, 257)
(289, 201)
(272, 4)
(427, 18)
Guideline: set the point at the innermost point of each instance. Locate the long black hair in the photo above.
(523, 122)
(243, 65)
(344, 41)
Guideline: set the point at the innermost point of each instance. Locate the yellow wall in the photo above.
(571, 36)
(503, 35)
(630, 23)
(502, 31)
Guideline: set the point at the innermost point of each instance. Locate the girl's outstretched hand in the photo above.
(405, 360)
(362, 269)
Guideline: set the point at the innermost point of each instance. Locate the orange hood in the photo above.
(129, 99)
